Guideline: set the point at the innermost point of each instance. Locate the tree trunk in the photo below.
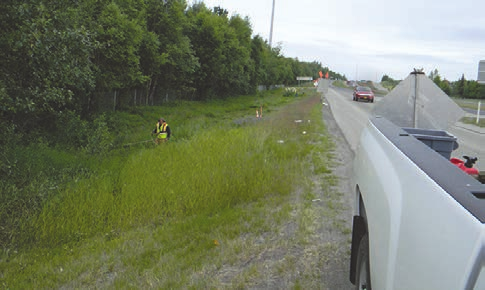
(149, 84)
(153, 88)
(114, 101)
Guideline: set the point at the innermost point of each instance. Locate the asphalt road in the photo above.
(353, 116)
(471, 140)
(350, 116)
(474, 111)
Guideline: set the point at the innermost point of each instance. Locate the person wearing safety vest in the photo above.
(162, 131)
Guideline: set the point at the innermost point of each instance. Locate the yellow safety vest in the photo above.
(162, 131)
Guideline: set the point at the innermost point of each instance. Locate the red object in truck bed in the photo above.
(461, 165)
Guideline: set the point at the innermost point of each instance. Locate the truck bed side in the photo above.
(423, 215)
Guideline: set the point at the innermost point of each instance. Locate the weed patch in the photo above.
(201, 211)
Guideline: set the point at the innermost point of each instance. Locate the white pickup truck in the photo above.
(419, 219)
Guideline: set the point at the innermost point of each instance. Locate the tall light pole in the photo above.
(271, 29)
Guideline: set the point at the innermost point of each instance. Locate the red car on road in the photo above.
(363, 93)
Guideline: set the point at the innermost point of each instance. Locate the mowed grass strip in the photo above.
(174, 214)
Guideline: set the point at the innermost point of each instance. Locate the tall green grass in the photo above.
(223, 164)
(473, 121)
(39, 170)
(148, 217)
(469, 103)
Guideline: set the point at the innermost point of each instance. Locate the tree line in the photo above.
(89, 56)
(462, 88)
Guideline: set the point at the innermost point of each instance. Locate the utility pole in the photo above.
(271, 29)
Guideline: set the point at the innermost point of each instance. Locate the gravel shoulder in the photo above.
(339, 279)
(311, 250)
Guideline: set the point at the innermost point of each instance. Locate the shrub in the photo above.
(99, 141)
(72, 131)
(290, 92)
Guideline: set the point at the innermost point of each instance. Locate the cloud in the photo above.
(366, 39)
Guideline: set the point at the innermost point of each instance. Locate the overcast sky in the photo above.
(365, 39)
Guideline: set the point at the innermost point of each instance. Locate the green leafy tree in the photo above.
(445, 87)
(220, 11)
(172, 61)
(258, 72)
(45, 59)
(459, 87)
(270, 58)
(432, 74)
(223, 49)
(437, 80)
(74, 56)
(473, 90)
(206, 37)
(388, 82)
(298, 69)
(284, 73)
(151, 62)
(385, 78)
(117, 56)
(241, 66)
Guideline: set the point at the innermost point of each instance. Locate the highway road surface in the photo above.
(353, 116)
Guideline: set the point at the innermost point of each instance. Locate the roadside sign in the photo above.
(304, 78)
(481, 72)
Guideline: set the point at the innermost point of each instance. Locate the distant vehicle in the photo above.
(352, 83)
(363, 93)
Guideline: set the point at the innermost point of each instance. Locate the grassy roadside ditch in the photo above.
(468, 103)
(199, 212)
(473, 121)
(473, 105)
